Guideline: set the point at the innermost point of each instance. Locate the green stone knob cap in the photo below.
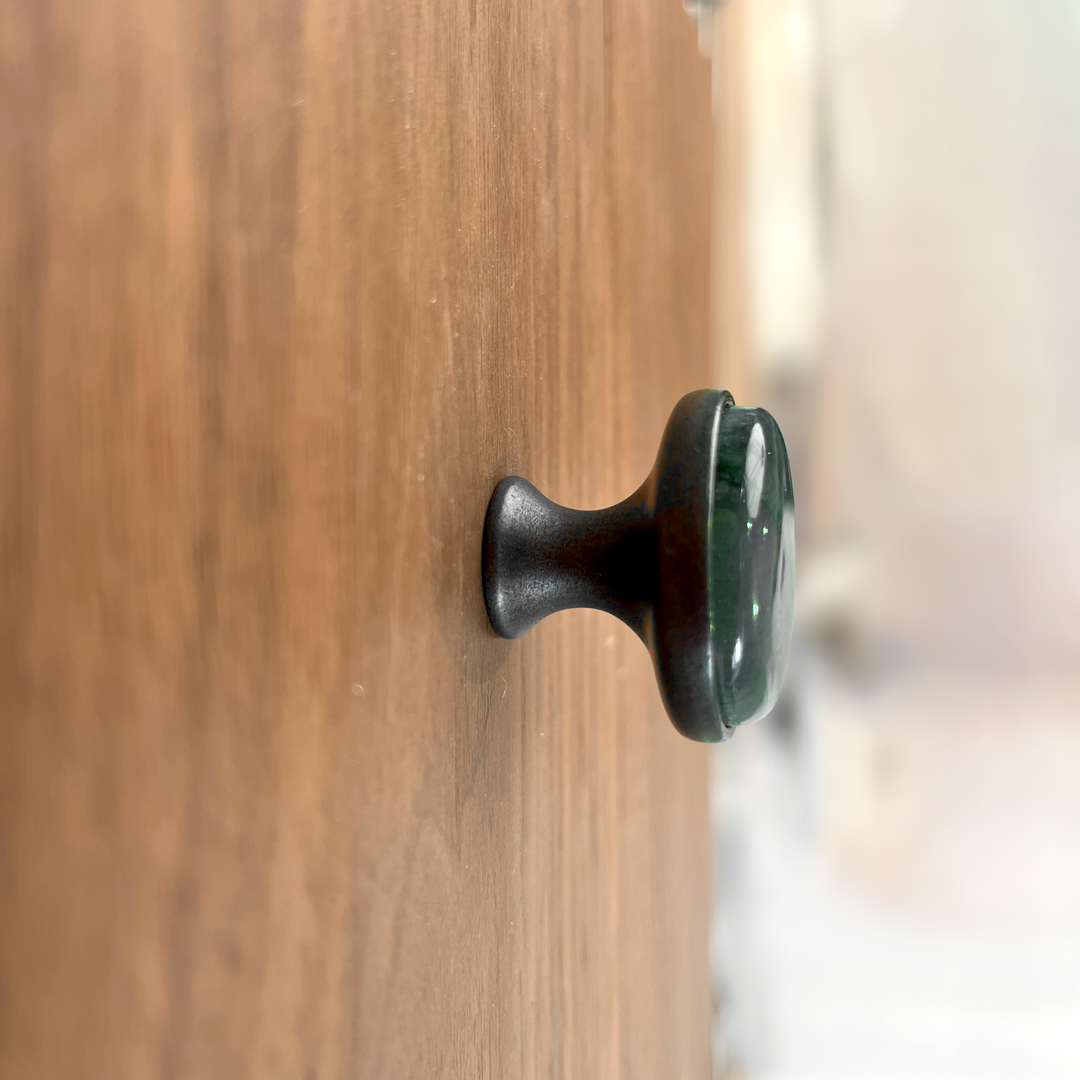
(699, 562)
(751, 564)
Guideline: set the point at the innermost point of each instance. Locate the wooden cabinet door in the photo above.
(287, 286)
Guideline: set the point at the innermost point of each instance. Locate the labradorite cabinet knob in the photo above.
(699, 562)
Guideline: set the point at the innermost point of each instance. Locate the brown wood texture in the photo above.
(286, 288)
(730, 287)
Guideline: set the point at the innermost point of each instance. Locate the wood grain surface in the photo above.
(286, 287)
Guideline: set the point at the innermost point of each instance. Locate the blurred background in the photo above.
(898, 844)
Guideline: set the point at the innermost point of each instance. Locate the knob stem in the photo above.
(540, 557)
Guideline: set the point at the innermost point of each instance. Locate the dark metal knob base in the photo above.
(540, 558)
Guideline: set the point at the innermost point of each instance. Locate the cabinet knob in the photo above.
(699, 562)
